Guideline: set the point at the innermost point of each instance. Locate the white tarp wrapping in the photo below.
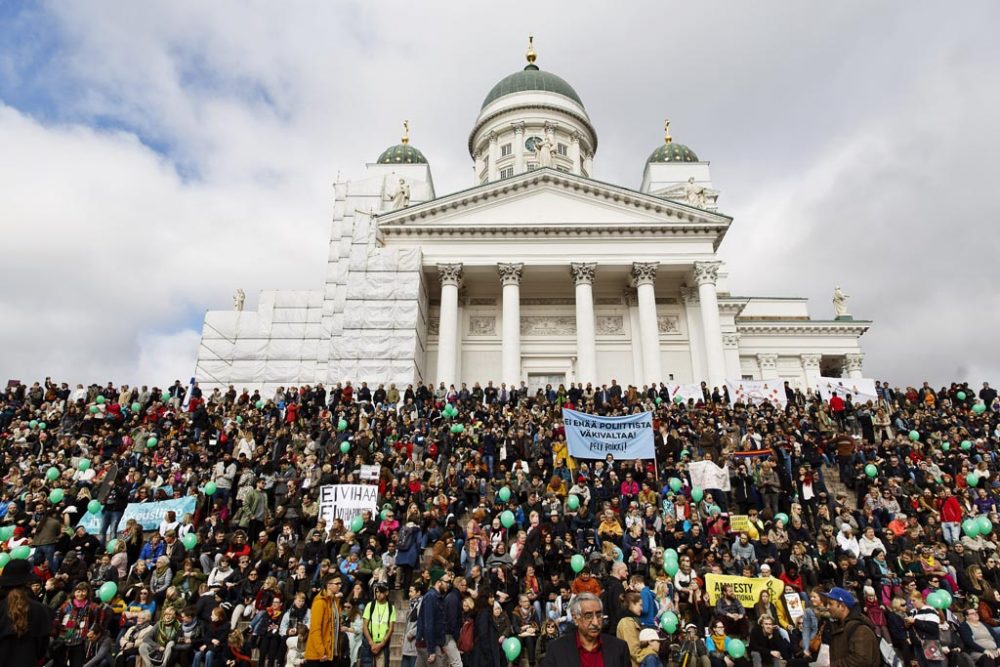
(861, 390)
(757, 392)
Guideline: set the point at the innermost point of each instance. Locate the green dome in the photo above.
(402, 154)
(673, 153)
(531, 78)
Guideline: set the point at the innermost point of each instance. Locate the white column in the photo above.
(460, 324)
(731, 348)
(810, 364)
(586, 342)
(696, 339)
(636, 335)
(451, 276)
(588, 165)
(768, 366)
(510, 278)
(853, 365)
(518, 148)
(644, 277)
(705, 274)
(574, 152)
(494, 172)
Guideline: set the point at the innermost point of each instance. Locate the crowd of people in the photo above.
(871, 526)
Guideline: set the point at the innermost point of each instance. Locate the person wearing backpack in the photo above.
(852, 639)
(379, 618)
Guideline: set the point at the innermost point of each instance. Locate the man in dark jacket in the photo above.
(430, 624)
(853, 642)
(580, 647)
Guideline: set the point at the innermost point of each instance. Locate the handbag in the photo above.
(932, 649)
(817, 640)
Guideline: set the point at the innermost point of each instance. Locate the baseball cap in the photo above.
(649, 635)
(842, 596)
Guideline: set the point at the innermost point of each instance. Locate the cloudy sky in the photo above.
(154, 156)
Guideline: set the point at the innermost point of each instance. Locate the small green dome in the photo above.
(531, 78)
(401, 154)
(673, 153)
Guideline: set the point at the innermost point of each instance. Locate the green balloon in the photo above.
(960, 395)
(671, 567)
(675, 484)
(100, 400)
(165, 396)
(934, 600)
(210, 489)
(871, 470)
(52, 474)
(669, 622)
(345, 447)
(190, 541)
(93, 409)
(384, 514)
(945, 446)
(504, 494)
(984, 524)
(112, 546)
(512, 648)
(685, 454)
(4, 559)
(658, 400)
(151, 442)
(573, 502)
(507, 518)
(577, 562)
(970, 527)
(979, 408)
(136, 407)
(239, 419)
(83, 465)
(944, 598)
(94, 506)
(107, 591)
(972, 479)
(697, 494)
(56, 496)
(33, 423)
(259, 404)
(966, 445)
(42, 425)
(782, 517)
(914, 435)
(737, 649)
(671, 554)
(357, 523)
(677, 399)
(6, 532)
(20, 553)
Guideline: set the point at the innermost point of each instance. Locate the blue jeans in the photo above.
(201, 658)
(952, 531)
(48, 551)
(109, 519)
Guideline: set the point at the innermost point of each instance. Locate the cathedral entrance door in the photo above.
(538, 381)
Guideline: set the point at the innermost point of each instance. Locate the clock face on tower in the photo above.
(530, 142)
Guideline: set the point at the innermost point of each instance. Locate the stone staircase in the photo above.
(835, 486)
(396, 642)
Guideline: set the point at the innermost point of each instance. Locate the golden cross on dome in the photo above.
(531, 55)
(666, 132)
(406, 132)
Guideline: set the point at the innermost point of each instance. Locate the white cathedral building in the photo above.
(537, 273)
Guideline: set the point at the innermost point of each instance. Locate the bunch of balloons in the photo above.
(450, 411)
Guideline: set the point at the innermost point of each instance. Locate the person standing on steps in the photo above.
(379, 618)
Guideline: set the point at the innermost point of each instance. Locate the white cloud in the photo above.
(849, 133)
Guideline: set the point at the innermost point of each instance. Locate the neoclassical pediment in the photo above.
(548, 200)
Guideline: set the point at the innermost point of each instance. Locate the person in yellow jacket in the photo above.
(561, 452)
(323, 642)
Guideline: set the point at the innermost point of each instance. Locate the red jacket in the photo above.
(951, 510)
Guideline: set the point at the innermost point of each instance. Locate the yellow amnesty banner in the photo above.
(746, 589)
(739, 523)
